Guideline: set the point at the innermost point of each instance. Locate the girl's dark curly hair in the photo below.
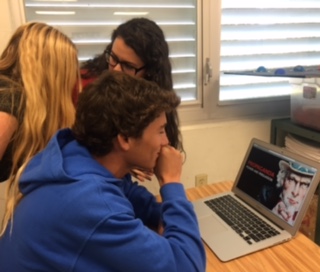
(147, 40)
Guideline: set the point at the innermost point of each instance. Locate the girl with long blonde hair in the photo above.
(38, 72)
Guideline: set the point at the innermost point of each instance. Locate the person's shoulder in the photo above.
(85, 79)
(100, 192)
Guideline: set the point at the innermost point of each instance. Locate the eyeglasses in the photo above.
(126, 67)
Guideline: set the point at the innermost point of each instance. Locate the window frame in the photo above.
(211, 109)
(266, 107)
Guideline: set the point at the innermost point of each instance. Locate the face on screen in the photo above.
(295, 188)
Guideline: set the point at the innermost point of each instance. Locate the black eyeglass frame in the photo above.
(109, 54)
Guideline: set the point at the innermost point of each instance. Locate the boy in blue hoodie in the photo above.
(80, 209)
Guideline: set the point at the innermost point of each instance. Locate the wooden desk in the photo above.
(299, 254)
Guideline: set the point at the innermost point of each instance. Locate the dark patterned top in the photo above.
(9, 102)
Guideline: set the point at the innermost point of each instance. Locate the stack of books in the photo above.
(305, 147)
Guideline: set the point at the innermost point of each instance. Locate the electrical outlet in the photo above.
(201, 179)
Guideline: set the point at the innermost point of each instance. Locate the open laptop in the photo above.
(262, 187)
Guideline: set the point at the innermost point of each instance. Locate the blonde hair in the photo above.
(43, 66)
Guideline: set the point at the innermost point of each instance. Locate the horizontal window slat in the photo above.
(269, 16)
(254, 91)
(172, 33)
(181, 4)
(269, 61)
(231, 80)
(109, 16)
(184, 79)
(234, 48)
(80, 38)
(107, 23)
(243, 4)
(186, 94)
(271, 32)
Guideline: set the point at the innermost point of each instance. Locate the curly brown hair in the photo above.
(117, 103)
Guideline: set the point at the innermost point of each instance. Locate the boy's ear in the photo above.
(123, 142)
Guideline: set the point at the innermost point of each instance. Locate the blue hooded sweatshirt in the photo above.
(76, 216)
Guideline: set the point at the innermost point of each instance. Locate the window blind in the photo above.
(89, 23)
(273, 34)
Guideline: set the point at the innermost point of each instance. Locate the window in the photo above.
(230, 34)
(89, 23)
(269, 33)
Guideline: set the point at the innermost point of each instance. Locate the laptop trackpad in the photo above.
(210, 224)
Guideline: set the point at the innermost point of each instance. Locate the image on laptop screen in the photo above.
(277, 182)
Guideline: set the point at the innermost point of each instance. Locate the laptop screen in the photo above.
(279, 183)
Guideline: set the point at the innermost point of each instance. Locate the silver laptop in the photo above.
(275, 185)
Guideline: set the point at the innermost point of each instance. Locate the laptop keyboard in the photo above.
(249, 226)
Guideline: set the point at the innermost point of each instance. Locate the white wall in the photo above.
(215, 148)
(6, 24)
